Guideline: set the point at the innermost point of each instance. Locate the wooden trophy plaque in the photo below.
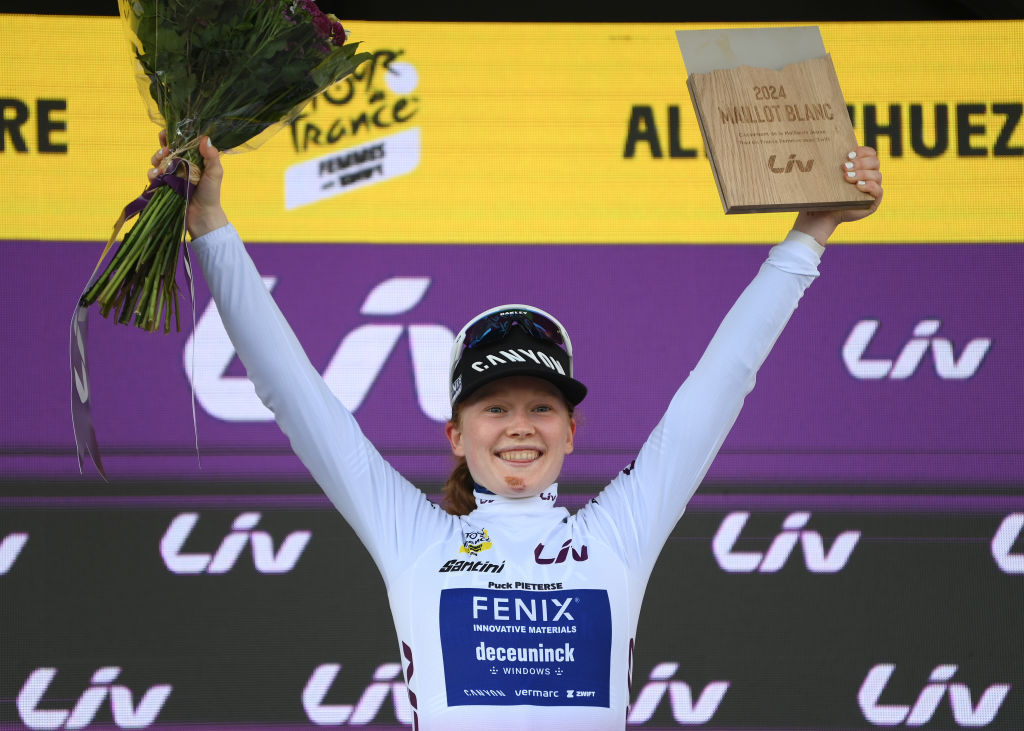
(776, 137)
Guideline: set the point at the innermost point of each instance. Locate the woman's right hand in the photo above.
(204, 210)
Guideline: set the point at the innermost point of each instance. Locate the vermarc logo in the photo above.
(352, 371)
(265, 558)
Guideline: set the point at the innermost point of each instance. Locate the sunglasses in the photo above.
(495, 325)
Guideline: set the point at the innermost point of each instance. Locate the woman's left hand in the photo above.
(862, 170)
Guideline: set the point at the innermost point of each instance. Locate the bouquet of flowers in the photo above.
(236, 70)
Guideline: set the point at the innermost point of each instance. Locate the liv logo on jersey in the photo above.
(267, 561)
(1010, 530)
(816, 558)
(126, 713)
(474, 542)
(948, 366)
(965, 712)
(503, 647)
(10, 549)
(387, 680)
(353, 369)
(563, 553)
(684, 710)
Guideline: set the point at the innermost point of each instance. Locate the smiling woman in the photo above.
(544, 571)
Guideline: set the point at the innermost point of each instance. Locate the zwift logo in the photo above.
(353, 369)
(948, 365)
(126, 713)
(266, 560)
(816, 558)
(965, 712)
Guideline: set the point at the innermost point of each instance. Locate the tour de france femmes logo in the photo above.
(474, 542)
(364, 128)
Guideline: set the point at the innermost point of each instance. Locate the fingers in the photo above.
(862, 168)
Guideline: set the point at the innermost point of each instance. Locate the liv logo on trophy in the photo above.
(772, 116)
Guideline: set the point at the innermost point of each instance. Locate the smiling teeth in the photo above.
(520, 455)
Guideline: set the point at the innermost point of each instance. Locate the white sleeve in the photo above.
(394, 520)
(640, 507)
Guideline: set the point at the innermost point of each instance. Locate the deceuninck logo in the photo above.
(347, 123)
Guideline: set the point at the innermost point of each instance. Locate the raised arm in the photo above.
(642, 504)
(385, 510)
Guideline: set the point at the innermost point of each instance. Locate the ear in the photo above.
(570, 436)
(454, 435)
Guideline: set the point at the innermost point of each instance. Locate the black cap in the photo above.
(517, 354)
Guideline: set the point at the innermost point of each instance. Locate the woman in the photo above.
(510, 612)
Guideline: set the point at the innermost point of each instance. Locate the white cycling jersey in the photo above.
(518, 615)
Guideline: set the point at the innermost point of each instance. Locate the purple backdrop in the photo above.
(951, 408)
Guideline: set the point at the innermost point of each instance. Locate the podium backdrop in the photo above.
(855, 558)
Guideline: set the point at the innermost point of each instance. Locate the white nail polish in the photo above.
(862, 182)
(852, 156)
(848, 165)
(852, 174)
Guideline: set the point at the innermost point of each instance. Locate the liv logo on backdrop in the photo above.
(816, 558)
(353, 369)
(965, 711)
(267, 561)
(1009, 531)
(948, 365)
(386, 680)
(684, 710)
(126, 713)
(10, 549)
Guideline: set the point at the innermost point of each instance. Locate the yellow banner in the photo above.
(517, 133)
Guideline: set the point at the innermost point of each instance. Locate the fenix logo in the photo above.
(126, 714)
(1002, 544)
(353, 369)
(224, 559)
(10, 549)
(965, 713)
(684, 710)
(947, 365)
(369, 704)
(816, 559)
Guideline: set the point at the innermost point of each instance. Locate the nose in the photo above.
(520, 425)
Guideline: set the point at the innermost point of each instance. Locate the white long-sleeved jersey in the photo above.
(518, 615)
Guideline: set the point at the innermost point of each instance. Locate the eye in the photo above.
(494, 410)
(544, 408)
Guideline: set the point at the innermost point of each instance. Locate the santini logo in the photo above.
(965, 713)
(684, 710)
(801, 166)
(369, 704)
(10, 549)
(242, 535)
(126, 714)
(1002, 544)
(947, 366)
(352, 371)
(817, 560)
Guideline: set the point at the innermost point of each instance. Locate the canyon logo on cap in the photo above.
(512, 340)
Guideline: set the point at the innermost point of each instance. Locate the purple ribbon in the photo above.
(182, 186)
(81, 406)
